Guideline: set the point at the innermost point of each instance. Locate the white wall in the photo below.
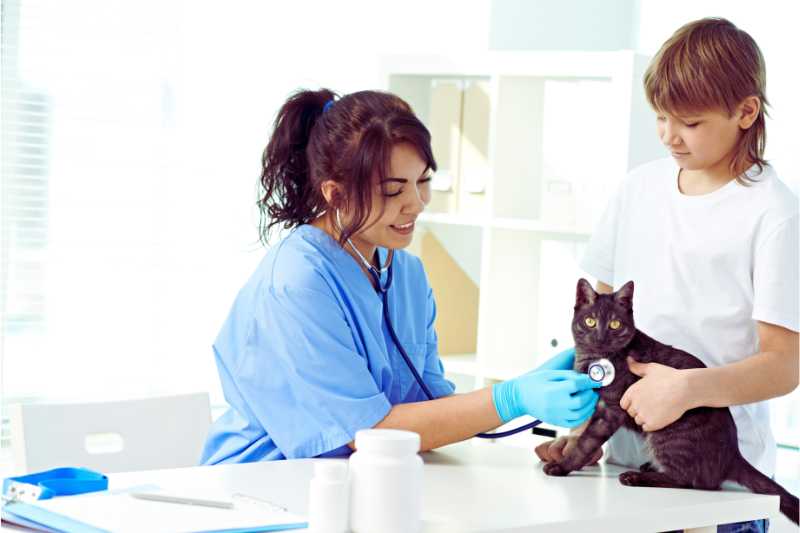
(160, 113)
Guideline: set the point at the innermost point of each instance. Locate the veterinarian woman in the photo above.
(312, 350)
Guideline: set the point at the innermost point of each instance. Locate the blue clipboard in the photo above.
(32, 501)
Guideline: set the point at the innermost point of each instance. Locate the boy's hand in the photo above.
(659, 398)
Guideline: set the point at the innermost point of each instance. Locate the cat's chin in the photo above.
(592, 352)
(583, 350)
(585, 355)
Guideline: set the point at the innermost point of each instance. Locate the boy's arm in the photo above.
(770, 373)
(664, 393)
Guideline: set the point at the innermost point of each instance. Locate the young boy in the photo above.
(710, 237)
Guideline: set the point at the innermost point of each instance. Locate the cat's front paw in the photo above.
(630, 478)
(555, 469)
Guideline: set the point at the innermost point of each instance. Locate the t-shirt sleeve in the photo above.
(303, 378)
(433, 375)
(598, 260)
(776, 294)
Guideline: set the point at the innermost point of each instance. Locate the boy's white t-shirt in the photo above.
(705, 269)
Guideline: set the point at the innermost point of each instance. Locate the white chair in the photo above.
(141, 434)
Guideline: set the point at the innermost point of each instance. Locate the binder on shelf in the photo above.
(576, 161)
(474, 163)
(444, 123)
(558, 203)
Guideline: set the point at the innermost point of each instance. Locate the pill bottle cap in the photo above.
(387, 441)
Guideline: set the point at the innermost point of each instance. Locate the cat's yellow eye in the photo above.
(589, 321)
(614, 324)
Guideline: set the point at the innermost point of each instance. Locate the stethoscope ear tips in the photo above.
(601, 371)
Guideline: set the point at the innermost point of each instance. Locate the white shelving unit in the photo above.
(530, 145)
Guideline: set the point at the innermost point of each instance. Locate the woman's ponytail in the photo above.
(287, 195)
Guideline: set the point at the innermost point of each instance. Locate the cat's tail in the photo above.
(746, 474)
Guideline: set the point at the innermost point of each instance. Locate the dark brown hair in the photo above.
(711, 64)
(349, 141)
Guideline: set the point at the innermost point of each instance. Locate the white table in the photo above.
(484, 486)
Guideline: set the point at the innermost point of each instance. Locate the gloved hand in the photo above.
(559, 397)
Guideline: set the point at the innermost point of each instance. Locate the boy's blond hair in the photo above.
(710, 64)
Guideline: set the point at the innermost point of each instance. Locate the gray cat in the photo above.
(700, 450)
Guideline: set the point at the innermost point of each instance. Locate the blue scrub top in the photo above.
(305, 357)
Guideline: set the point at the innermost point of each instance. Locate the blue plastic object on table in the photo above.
(52, 483)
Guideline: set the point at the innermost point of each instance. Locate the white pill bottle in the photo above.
(327, 497)
(386, 482)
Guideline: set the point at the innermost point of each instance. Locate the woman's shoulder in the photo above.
(309, 259)
(301, 260)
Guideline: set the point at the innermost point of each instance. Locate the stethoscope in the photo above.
(601, 371)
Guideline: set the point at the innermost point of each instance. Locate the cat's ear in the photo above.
(624, 296)
(585, 294)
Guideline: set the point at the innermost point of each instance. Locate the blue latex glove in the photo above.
(561, 361)
(560, 397)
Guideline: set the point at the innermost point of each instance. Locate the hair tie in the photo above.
(328, 105)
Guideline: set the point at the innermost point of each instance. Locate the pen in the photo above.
(186, 501)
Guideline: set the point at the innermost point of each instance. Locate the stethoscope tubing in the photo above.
(384, 291)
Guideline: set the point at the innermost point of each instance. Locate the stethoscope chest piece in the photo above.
(602, 371)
